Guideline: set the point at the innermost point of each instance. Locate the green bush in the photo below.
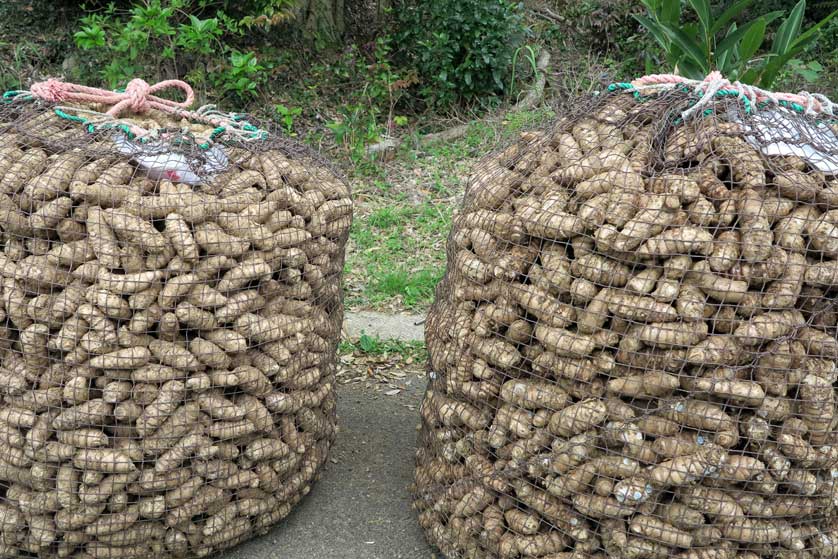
(158, 39)
(461, 49)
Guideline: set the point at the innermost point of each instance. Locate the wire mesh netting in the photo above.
(170, 311)
(633, 351)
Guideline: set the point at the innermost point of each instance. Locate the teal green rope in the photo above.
(67, 116)
(731, 93)
(127, 131)
(13, 94)
(624, 86)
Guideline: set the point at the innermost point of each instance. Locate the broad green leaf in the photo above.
(729, 14)
(655, 29)
(776, 62)
(651, 5)
(724, 57)
(671, 12)
(789, 29)
(750, 76)
(772, 67)
(690, 48)
(735, 34)
(702, 10)
(809, 72)
(688, 69)
(752, 40)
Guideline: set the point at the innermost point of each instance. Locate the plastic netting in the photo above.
(633, 351)
(171, 307)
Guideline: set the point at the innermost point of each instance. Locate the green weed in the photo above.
(370, 345)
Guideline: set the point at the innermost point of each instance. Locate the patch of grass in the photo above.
(396, 254)
(518, 121)
(369, 345)
(414, 288)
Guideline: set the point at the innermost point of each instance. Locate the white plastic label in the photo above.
(160, 162)
(777, 132)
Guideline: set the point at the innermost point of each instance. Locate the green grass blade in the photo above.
(689, 46)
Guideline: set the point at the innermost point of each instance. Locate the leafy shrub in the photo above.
(461, 49)
(601, 40)
(172, 37)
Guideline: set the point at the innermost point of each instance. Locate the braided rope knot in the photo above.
(138, 96)
(137, 93)
(52, 91)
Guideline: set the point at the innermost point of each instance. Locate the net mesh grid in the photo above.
(167, 350)
(633, 350)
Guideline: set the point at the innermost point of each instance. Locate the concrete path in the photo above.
(385, 326)
(360, 509)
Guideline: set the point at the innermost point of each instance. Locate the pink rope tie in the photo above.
(137, 98)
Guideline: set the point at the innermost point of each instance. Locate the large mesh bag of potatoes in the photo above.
(170, 310)
(633, 352)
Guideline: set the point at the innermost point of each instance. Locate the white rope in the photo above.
(826, 103)
(708, 88)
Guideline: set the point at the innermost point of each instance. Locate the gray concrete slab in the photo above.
(360, 509)
(406, 327)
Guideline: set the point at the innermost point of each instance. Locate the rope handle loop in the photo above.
(138, 96)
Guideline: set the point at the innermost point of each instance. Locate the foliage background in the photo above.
(369, 65)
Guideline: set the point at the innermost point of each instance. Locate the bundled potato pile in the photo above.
(633, 353)
(167, 359)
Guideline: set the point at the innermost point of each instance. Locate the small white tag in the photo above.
(160, 162)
